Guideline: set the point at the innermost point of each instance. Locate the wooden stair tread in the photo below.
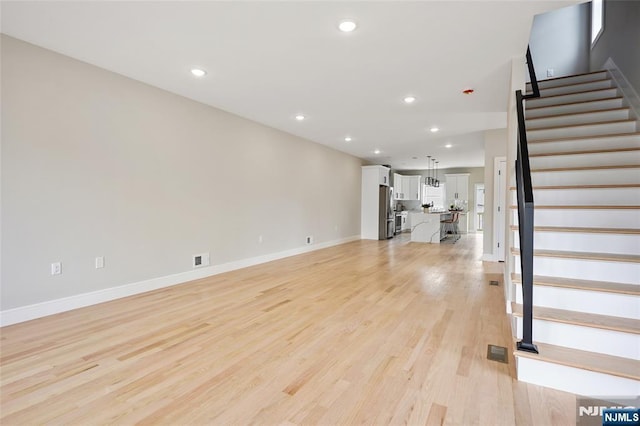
(590, 186)
(592, 361)
(597, 123)
(577, 113)
(574, 93)
(581, 207)
(632, 231)
(586, 168)
(570, 76)
(592, 151)
(576, 103)
(586, 319)
(573, 138)
(610, 257)
(602, 286)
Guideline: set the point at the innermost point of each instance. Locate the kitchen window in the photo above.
(434, 195)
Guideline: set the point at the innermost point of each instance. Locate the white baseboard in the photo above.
(627, 89)
(50, 307)
(488, 257)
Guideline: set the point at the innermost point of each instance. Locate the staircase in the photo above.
(584, 146)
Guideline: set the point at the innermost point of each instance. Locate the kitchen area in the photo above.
(428, 206)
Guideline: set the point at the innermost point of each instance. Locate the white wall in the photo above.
(560, 41)
(495, 145)
(620, 40)
(96, 164)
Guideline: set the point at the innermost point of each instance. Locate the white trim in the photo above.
(50, 307)
(488, 257)
(499, 195)
(628, 92)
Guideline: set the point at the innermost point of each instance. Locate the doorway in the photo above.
(479, 207)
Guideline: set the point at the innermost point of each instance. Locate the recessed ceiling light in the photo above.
(409, 99)
(434, 129)
(300, 117)
(347, 139)
(198, 72)
(347, 26)
(377, 151)
(448, 145)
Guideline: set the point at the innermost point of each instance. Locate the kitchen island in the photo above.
(426, 228)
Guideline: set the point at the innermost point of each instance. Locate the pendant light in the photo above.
(428, 179)
(437, 185)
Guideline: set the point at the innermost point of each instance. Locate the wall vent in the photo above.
(200, 260)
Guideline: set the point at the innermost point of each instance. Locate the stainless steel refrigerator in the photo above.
(386, 220)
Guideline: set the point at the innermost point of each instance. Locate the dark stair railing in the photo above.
(525, 214)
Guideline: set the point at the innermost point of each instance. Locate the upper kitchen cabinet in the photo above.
(397, 187)
(413, 190)
(406, 187)
(383, 175)
(457, 187)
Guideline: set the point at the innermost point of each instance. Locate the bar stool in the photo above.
(451, 225)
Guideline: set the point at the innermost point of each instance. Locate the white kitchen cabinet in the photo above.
(405, 221)
(457, 187)
(372, 179)
(411, 186)
(406, 187)
(397, 186)
(383, 175)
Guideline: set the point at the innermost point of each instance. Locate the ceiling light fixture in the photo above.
(198, 72)
(300, 117)
(448, 145)
(347, 26)
(377, 151)
(347, 139)
(434, 129)
(409, 99)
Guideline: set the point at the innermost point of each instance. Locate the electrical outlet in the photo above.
(56, 268)
(309, 239)
(99, 262)
(549, 72)
(200, 260)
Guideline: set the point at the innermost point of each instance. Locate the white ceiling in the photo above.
(268, 61)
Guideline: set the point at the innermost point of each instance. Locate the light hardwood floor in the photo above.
(388, 332)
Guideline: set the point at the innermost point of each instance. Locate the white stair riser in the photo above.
(583, 118)
(576, 88)
(587, 196)
(586, 177)
(575, 108)
(583, 160)
(584, 78)
(591, 339)
(585, 218)
(579, 131)
(574, 97)
(622, 272)
(584, 242)
(574, 380)
(575, 145)
(594, 302)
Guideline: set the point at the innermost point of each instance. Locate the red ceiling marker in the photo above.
(468, 91)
